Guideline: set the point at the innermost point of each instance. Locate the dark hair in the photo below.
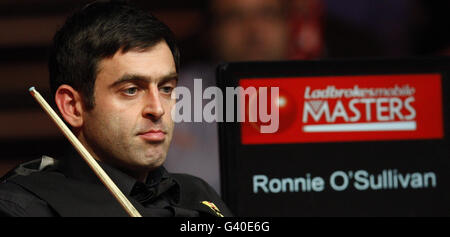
(98, 31)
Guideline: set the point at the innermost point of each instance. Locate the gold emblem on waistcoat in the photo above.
(213, 207)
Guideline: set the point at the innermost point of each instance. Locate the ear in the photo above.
(70, 105)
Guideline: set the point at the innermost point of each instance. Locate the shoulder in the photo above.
(195, 190)
(17, 201)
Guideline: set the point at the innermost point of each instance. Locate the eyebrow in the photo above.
(139, 78)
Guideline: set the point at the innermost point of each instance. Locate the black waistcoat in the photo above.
(71, 197)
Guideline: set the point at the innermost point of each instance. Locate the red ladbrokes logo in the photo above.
(352, 108)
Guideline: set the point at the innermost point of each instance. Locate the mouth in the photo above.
(153, 135)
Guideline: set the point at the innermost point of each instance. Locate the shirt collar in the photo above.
(75, 167)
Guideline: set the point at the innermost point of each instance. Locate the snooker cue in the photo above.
(101, 174)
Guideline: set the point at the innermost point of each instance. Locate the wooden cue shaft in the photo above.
(106, 180)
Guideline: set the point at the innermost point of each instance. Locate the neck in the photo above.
(139, 175)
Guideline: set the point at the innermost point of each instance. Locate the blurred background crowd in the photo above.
(209, 32)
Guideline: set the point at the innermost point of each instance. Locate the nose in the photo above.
(153, 108)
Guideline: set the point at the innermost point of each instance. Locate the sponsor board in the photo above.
(349, 108)
(354, 138)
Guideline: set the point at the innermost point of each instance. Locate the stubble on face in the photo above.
(130, 126)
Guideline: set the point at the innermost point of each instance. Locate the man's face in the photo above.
(130, 125)
(249, 30)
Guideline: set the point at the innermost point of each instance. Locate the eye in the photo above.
(166, 89)
(131, 91)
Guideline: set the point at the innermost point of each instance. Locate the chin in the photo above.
(153, 161)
